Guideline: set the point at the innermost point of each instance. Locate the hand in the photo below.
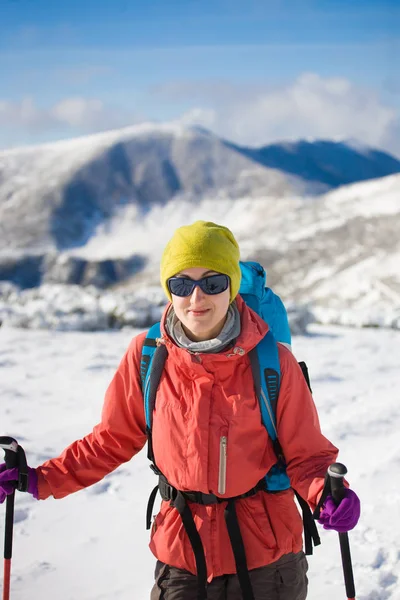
(341, 517)
(8, 479)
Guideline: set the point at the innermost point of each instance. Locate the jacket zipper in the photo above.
(223, 442)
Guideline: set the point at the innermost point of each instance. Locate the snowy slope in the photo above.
(67, 207)
(93, 545)
(54, 196)
(339, 254)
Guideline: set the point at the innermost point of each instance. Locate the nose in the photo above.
(197, 294)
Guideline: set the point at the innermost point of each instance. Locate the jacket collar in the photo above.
(253, 329)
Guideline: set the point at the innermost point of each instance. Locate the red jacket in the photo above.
(202, 398)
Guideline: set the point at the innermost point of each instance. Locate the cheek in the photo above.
(179, 305)
(222, 304)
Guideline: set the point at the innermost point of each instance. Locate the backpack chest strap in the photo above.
(169, 492)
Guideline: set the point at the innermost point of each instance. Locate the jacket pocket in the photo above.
(256, 520)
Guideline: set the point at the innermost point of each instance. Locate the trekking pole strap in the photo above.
(325, 492)
(23, 476)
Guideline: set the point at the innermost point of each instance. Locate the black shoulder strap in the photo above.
(304, 370)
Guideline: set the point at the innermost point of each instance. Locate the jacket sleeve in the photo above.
(307, 452)
(120, 434)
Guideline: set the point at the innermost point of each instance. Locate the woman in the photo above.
(208, 437)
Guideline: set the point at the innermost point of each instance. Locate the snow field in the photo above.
(93, 544)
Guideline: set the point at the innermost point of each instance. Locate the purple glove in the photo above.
(342, 517)
(8, 478)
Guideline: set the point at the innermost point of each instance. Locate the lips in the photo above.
(198, 313)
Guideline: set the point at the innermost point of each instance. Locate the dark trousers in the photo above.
(285, 579)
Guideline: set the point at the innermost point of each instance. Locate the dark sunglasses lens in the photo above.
(183, 286)
(180, 286)
(216, 284)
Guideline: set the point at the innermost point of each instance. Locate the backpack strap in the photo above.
(266, 369)
(151, 368)
(264, 360)
(304, 370)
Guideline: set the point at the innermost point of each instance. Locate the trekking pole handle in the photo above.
(10, 447)
(15, 457)
(336, 473)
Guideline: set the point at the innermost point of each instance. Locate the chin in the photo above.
(198, 331)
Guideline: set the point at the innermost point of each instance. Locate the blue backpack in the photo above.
(266, 370)
(263, 301)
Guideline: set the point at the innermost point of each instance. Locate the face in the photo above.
(202, 315)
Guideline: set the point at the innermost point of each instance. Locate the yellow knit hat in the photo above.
(202, 244)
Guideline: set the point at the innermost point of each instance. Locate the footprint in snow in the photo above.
(7, 363)
(36, 571)
(99, 488)
(379, 560)
(21, 514)
(387, 579)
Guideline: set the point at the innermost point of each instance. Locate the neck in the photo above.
(207, 335)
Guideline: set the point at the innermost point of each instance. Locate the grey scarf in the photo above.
(229, 332)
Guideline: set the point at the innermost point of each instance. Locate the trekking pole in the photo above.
(336, 473)
(14, 457)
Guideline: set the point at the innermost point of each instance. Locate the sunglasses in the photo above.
(210, 285)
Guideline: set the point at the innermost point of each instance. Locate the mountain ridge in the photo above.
(100, 211)
(54, 197)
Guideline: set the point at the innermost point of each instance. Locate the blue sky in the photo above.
(253, 71)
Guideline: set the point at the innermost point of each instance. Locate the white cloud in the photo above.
(79, 112)
(199, 116)
(76, 114)
(310, 107)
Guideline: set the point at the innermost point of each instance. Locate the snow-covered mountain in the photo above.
(99, 211)
(341, 253)
(325, 162)
(55, 196)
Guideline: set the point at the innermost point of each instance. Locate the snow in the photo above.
(338, 252)
(77, 308)
(98, 141)
(93, 544)
(367, 199)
